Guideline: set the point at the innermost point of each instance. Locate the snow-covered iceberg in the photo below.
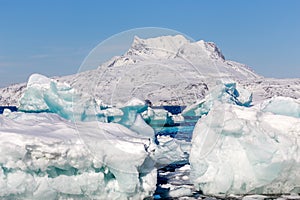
(243, 150)
(47, 157)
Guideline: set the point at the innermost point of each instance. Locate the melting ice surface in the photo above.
(113, 153)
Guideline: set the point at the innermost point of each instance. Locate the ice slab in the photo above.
(243, 150)
(282, 106)
(132, 118)
(44, 156)
(171, 150)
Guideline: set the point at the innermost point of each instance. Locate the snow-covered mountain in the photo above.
(10, 95)
(166, 70)
(265, 88)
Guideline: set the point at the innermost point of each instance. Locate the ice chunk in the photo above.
(47, 95)
(45, 156)
(283, 106)
(254, 197)
(158, 117)
(171, 150)
(130, 110)
(177, 118)
(6, 112)
(243, 150)
(225, 93)
(111, 114)
(180, 192)
(198, 109)
(132, 119)
(141, 127)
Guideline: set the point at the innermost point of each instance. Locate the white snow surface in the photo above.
(46, 157)
(243, 150)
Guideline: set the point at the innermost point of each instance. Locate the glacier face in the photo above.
(48, 157)
(244, 150)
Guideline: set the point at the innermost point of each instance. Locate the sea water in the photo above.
(172, 174)
(11, 108)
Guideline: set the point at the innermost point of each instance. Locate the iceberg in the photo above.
(224, 93)
(282, 106)
(158, 117)
(48, 157)
(132, 118)
(43, 94)
(246, 150)
(47, 95)
(170, 150)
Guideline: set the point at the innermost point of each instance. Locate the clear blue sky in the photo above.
(53, 37)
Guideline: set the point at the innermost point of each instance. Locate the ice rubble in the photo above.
(46, 157)
(244, 150)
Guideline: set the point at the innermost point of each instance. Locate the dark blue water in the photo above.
(180, 131)
(11, 108)
(172, 109)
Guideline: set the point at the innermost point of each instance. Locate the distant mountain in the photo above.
(167, 70)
